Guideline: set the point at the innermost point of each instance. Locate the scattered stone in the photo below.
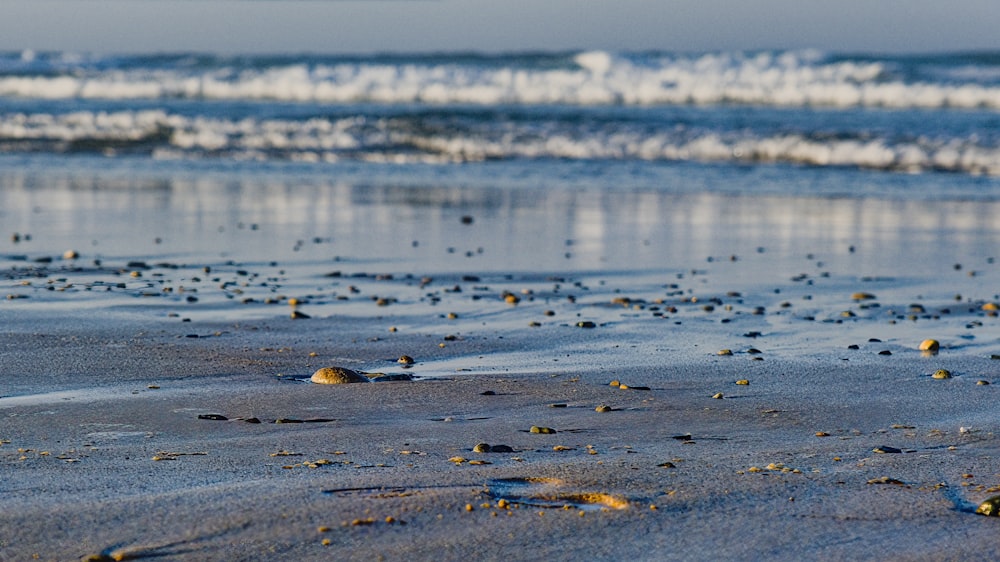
(540, 429)
(299, 315)
(885, 352)
(724, 352)
(884, 449)
(481, 448)
(717, 396)
(982, 383)
(586, 324)
(501, 449)
(743, 382)
(71, 255)
(213, 417)
(941, 374)
(862, 296)
(337, 375)
(887, 480)
(990, 507)
(929, 345)
(405, 360)
(603, 408)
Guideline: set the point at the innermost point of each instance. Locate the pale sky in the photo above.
(365, 26)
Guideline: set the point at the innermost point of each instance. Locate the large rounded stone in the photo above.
(337, 375)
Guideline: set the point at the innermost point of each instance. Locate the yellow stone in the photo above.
(941, 374)
(337, 375)
(929, 345)
(724, 352)
(991, 306)
(862, 296)
(990, 507)
(743, 382)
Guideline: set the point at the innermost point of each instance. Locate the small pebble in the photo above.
(481, 448)
(603, 408)
(941, 374)
(405, 360)
(990, 507)
(724, 352)
(743, 382)
(717, 396)
(540, 429)
(929, 345)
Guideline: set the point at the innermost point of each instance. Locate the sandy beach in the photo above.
(771, 399)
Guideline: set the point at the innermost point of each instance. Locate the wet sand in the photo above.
(141, 423)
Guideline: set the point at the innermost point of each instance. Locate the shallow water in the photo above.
(187, 246)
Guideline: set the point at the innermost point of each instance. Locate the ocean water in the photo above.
(648, 173)
(908, 114)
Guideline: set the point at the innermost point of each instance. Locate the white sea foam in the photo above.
(597, 78)
(168, 135)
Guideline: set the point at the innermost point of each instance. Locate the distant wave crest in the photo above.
(781, 79)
